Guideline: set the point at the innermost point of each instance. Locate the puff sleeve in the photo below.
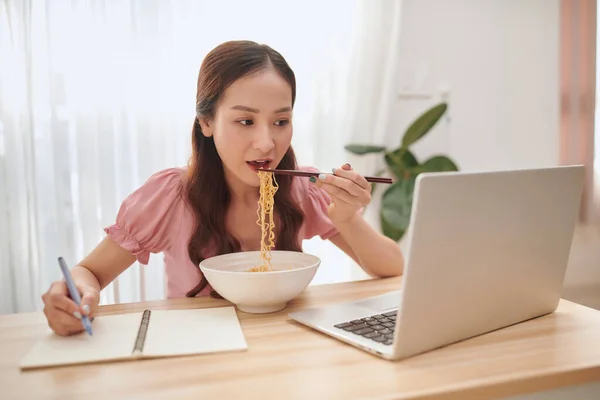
(147, 217)
(315, 202)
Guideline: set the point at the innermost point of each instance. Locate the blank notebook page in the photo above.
(169, 333)
(114, 338)
(181, 332)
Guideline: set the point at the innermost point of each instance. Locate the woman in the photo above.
(244, 103)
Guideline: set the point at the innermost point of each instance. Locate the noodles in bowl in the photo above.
(289, 274)
(279, 276)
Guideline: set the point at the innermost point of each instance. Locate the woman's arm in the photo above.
(378, 255)
(103, 265)
(145, 217)
(143, 225)
(90, 276)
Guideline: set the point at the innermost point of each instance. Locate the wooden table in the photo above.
(286, 360)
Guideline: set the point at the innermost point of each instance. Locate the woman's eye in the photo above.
(282, 122)
(246, 122)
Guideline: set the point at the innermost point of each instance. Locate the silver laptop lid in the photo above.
(487, 249)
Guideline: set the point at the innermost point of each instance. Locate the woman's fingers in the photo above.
(347, 172)
(340, 194)
(57, 298)
(63, 323)
(62, 313)
(90, 298)
(346, 186)
(342, 183)
(354, 194)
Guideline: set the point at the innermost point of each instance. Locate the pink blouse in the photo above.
(155, 218)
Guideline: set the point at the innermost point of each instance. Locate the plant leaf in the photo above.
(399, 161)
(378, 173)
(361, 149)
(423, 124)
(396, 207)
(436, 164)
(390, 231)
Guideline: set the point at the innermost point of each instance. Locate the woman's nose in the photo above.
(263, 141)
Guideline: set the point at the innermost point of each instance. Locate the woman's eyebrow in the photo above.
(244, 108)
(255, 111)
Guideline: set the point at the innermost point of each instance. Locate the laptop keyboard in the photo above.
(378, 327)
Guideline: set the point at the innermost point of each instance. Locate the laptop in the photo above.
(486, 250)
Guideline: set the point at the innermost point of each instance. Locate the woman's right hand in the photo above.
(62, 313)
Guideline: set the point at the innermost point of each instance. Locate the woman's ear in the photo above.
(206, 127)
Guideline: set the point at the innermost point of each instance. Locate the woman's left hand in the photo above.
(349, 193)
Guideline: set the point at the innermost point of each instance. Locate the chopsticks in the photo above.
(373, 179)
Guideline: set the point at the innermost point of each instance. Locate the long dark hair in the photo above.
(224, 65)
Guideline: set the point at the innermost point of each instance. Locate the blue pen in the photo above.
(74, 293)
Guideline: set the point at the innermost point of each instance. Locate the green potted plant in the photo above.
(401, 163)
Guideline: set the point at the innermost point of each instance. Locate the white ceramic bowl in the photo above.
(260, 292)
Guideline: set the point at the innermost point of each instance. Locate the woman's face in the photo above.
(252, 126)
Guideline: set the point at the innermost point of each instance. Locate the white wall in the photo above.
(499, 59)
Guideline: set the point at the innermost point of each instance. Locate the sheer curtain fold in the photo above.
(95, 96)
(355, 99)
(19, 271)
(578, 86)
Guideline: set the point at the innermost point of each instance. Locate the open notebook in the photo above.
(148, 334)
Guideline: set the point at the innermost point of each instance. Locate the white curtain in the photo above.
(95, 96)
(358, 95)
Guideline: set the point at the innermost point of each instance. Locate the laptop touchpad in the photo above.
(381, 303)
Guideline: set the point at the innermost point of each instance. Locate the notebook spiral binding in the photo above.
(138, 347)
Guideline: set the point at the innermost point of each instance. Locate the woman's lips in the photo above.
(256, 164)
